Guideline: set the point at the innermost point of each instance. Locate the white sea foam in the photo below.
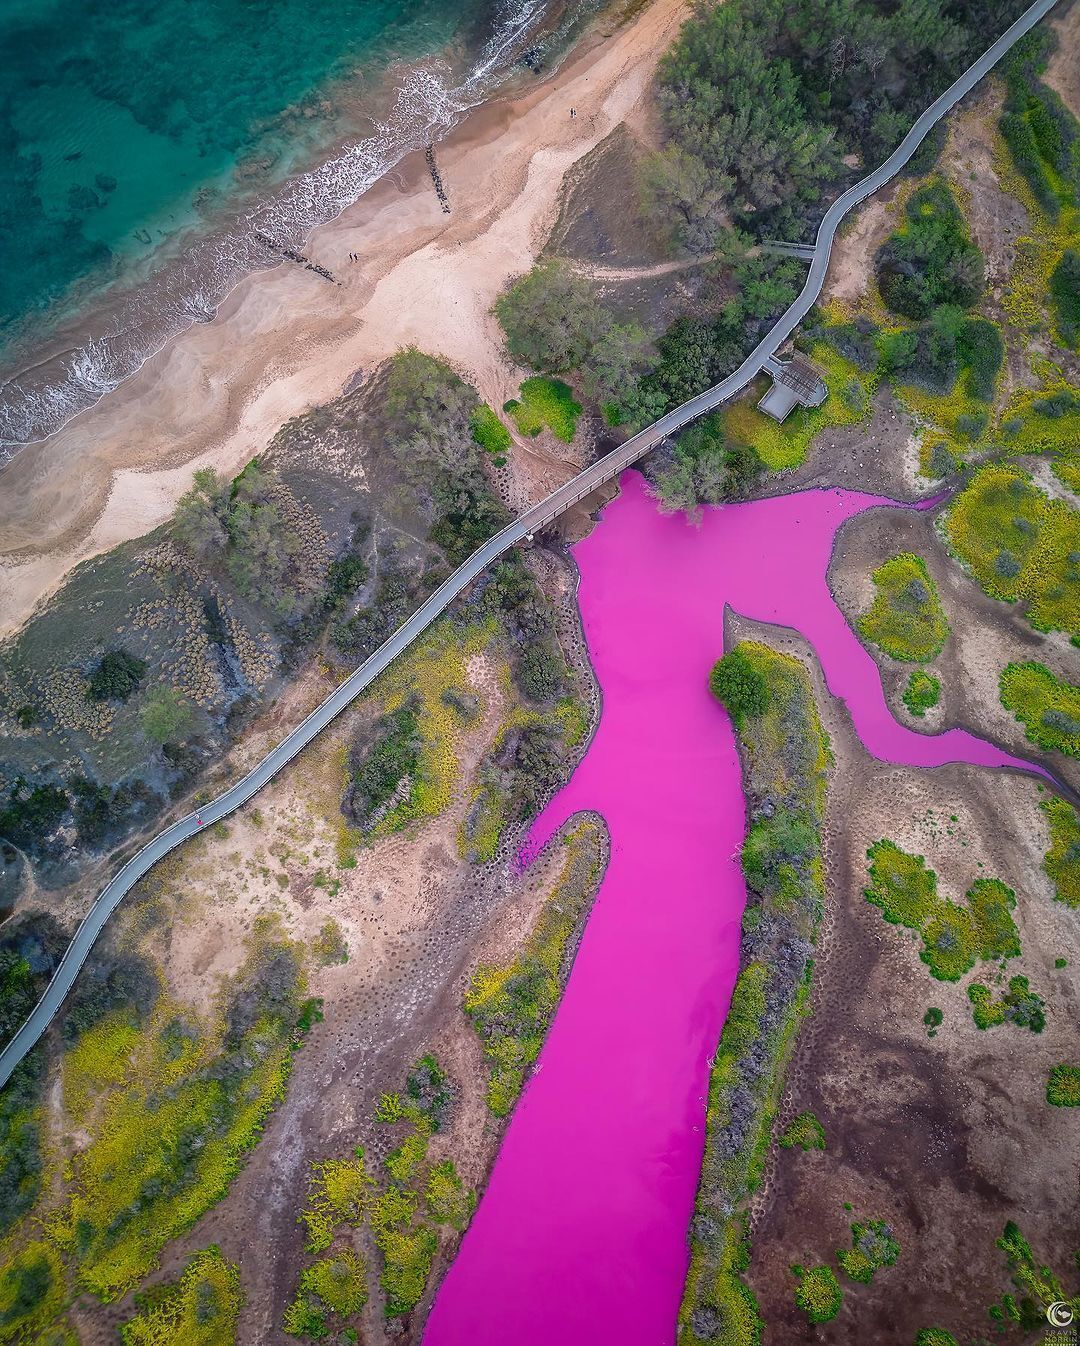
(187, 290)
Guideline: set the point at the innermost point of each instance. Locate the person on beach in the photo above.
(573, 112)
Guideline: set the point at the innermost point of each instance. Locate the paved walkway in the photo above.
(532, 521)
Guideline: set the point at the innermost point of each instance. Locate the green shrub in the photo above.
(166, 716)
(1048, 709)
(1063, 1087)
(902, 885)
(872, 1247)
(933, 1018)
(329, 946)
(391, 758)
(490, 433)
(931, 260)
(949, 942)
(1019, 544)
(740, 687)
(1019, 1005)
(511, 1006)
(545, 402)
(115, 677)
(1065, 291)
(805, 1131)
(954, 937)
(923, 691)
(1062, 860)
(819, 1294)
(980, 352)
(992, 904)
(202, 1308)
(935, 1336)
(32, 812)
(906, 619)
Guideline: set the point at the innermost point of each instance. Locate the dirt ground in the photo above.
(943, 1138)
(985, 635)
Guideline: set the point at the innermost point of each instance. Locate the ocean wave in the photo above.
(428, 103)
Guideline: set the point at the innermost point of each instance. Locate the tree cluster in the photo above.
(931, 260)
(554, 323)
(764, 99)
(704, 468)
(115, 677)
(239, 528)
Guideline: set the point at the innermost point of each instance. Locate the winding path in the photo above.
(532, 521)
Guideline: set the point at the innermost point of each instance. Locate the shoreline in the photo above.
(102, 329)
(284, 341)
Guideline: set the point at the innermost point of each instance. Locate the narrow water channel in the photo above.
(580, 1238)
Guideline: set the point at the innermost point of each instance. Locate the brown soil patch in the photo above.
(1063, 73)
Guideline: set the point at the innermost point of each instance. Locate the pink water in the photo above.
(581, 1236)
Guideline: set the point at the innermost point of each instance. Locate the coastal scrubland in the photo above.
(174, 1053)
(786, 756)
(917, 1108)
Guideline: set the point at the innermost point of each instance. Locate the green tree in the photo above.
(551, 318)
(739, 686)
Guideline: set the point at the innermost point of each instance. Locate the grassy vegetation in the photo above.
(201, 1308)
(391, 1206)
(490, 433)
(546, 403)
(527, 761)
(1063, 1087)
(1019, 1005)
(954, 937)
(1036, 1284)
(511, 1007)
(818, 1294)
(389, 763)
(872, 1247)
(1048, 709)
(135, 1186)
(330, 946)
(411, 771)
(1037, 163)
(1062, 860)
(906, 619)
(805, 1131)
(334, 1285)
(32, 1290)
(922, 693)
(935, 1336)
(786, 754)
(785, 446)
(1019, 544)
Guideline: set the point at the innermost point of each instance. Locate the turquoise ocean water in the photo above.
(147, 145)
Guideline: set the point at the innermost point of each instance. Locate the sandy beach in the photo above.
(288, 339)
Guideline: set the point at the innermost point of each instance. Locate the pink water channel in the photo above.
(581, 1236)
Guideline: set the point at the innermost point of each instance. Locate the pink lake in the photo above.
(581, 1236)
